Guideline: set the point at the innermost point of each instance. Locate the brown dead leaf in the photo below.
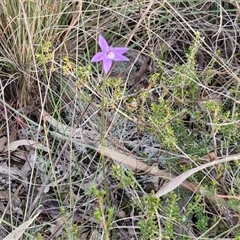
(13, 173)
(13, 135)
(19, 231)
(140, 166)
(57, 228)
(4, 195)
(14, 145)
(2, 207)
(179, 180)
(134, 163)
(14, 200)
(3, 142)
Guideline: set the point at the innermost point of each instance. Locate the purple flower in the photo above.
(109, 54)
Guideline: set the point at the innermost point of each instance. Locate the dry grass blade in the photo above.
(14, 145)
(177, 181)
(19, 231)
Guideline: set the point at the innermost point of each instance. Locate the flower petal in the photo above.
(107, 64)
(103, 44)
(98, 57)
(119, 50)
(120, 57)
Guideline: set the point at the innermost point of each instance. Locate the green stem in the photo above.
(102, 157)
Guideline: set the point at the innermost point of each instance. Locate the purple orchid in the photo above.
(109, 54)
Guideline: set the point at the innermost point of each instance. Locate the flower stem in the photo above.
(102, 157)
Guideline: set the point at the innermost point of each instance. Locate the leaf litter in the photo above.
(31, 159)
(90, 140)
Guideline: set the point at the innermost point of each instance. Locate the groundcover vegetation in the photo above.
(119, 119)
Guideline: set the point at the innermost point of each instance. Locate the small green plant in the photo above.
(45, 53)
(124, 177)
(167, 114)
(162, 114)
(103, 216)
(71, 229)
(149, 205)
(197, 209)
(172, 213)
